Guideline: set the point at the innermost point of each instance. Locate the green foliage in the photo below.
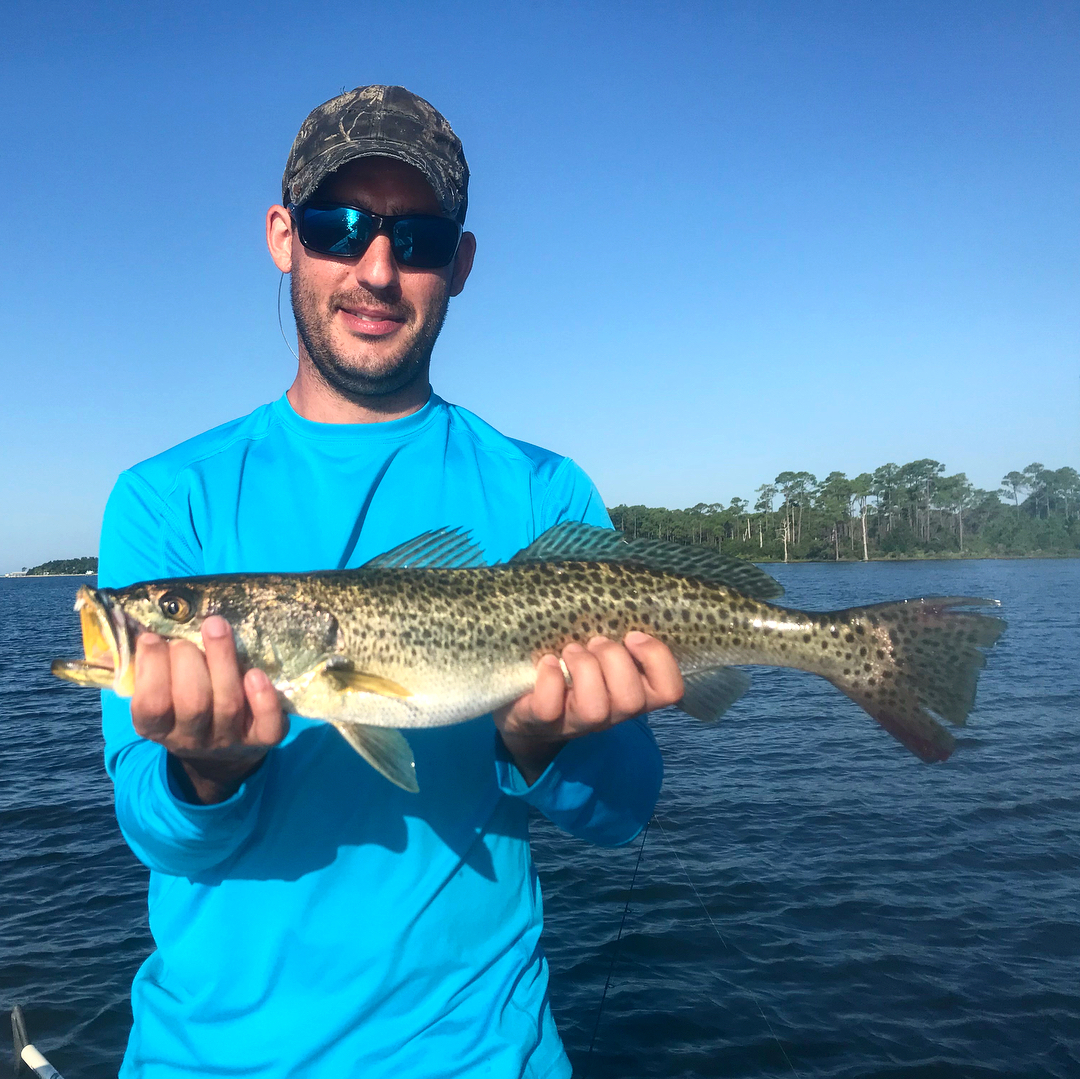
(898, 511)
(64, 565)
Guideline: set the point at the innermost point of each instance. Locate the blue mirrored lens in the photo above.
(337, 230)
(425, 242)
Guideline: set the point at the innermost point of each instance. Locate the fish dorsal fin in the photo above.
(386, 750)
(575, 541)
(444, 548)
(708, 694)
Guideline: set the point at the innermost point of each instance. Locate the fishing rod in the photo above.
(25, 1052)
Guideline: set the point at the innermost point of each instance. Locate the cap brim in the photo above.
(315, 172)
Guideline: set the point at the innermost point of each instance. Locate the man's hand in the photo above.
(611, 682)
(218, 725)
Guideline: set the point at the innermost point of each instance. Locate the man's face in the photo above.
(368, 324)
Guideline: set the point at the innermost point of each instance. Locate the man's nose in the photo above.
(376, 267)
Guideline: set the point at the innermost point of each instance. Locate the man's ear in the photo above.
(463, 261)
(279, 237)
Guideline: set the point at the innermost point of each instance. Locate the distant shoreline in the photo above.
(35, 576)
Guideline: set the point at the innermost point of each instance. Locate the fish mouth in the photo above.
(106, 646)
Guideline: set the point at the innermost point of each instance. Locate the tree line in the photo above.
(64, 565)
(896, 511)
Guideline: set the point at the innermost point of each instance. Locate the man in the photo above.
(308, 915)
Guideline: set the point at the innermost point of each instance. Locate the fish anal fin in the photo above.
(575, 541)
(386, 750)
(709, 693)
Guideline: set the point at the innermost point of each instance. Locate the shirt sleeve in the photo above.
(602, 787)
(140, 541)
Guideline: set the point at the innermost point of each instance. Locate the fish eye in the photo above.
(175, 606)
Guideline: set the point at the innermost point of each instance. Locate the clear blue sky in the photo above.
(716, 240)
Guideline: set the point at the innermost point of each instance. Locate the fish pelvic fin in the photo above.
(386, 750)
(915, 662)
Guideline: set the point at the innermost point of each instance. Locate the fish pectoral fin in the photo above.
(345, 678)
(386, 750)
(351, 681)
(709, 693)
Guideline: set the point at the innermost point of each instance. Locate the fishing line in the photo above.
(279, 326)
(615, 956)
(752, 994)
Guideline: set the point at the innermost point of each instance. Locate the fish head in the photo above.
(112, 620)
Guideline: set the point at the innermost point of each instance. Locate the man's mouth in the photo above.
(370, 321)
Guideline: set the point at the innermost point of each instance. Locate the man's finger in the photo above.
(544, 705)
(588, 705)
(151, 701)
(192, 696)
(226, 685)
(625, 687)
(268, 722)
(548, 698)
(660, 671)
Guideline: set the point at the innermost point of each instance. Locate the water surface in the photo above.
(811, 899)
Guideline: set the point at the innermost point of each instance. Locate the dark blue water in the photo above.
(811, 899)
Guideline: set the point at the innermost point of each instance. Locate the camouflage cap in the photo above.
(378, 121)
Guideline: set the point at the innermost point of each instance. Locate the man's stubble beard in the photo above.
(351, 382)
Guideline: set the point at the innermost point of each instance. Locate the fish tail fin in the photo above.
(914, 662)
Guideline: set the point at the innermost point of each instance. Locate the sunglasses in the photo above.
(421, 241)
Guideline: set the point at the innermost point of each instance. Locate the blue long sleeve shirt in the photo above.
(321, 920)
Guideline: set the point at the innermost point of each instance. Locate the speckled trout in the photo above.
(427, 634)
